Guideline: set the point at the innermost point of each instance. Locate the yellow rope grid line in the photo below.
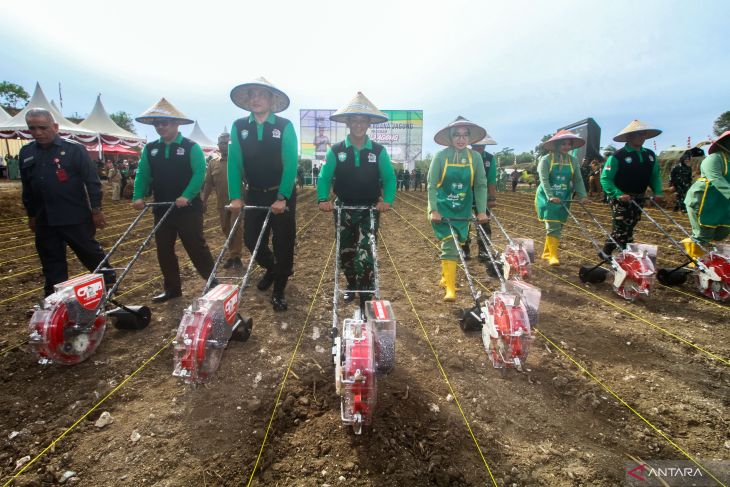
(291, 363)
(17, 296)
(23, 219)
(99, 237)
(619, 398)
(108, 395)
(20, 273)
(603, 210)
(628, 406)
(694, 296)
(438, 362)
(17, 345)
(101, 401)
(624, 310)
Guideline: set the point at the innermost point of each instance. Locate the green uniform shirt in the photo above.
(435, 171)
(385, 168)
(197, 164)
(543, 170)
(289, 156)
(709, 196)
(611, 167)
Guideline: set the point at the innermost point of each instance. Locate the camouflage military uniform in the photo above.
(681, 179)
(356, 258)
(625, 217)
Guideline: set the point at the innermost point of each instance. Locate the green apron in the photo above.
(711, 206)
(454, 196)
(561, 177)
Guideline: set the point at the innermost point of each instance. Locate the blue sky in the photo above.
(519, 68)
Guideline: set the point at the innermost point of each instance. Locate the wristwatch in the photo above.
(280, 197)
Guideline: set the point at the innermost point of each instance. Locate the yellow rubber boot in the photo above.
(546, 251)
(692, 249)
(448, 268)
(552, 245)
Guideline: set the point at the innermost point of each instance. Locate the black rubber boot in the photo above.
(278, 301)
(606, 251)
(466, 247)
(266, 281)
(351, 286)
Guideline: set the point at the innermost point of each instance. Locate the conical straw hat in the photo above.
(487, 140)
(443, 136)
(240, 95)
(163, 110)
(562, 135)
(636, 126)
(359, 105)
(722, 142)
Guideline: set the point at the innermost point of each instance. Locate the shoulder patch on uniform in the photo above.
(628, 160)
(180, 151)
(372, 157)
(28, 159)
(244, 134)
(341, 156)
(276, 133)
(154, 151)
(651, 158)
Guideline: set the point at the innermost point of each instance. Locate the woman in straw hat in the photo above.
(362, 172)
(456, 178)
(560, 177)
(708, 199)
(626, 176)
(264, 152)
(175, 167)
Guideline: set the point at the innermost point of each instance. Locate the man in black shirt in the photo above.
(62, 197)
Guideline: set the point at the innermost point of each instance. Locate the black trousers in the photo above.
(51, 241)
(188, 225)
(284, 230)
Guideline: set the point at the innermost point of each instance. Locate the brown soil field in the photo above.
(607, 381)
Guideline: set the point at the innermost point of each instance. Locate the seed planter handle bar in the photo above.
(582, 228)
(227, 244)
(255, 252)
(121, 239)
(474, 293)
(697, 262)
(113, 290)
(595, 220)
(374, 251)
(676, 223)
(489, 247)
(336, 295)
(492, 216)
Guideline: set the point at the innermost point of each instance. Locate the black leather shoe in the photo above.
(233, 263)
(483, 256)
(278, 302)
(166, 296)
(266, 281)
(467, 252)
(348, 296)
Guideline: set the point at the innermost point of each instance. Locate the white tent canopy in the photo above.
(4, 116)
(201, 139)
(17, 126)
(99, 121)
